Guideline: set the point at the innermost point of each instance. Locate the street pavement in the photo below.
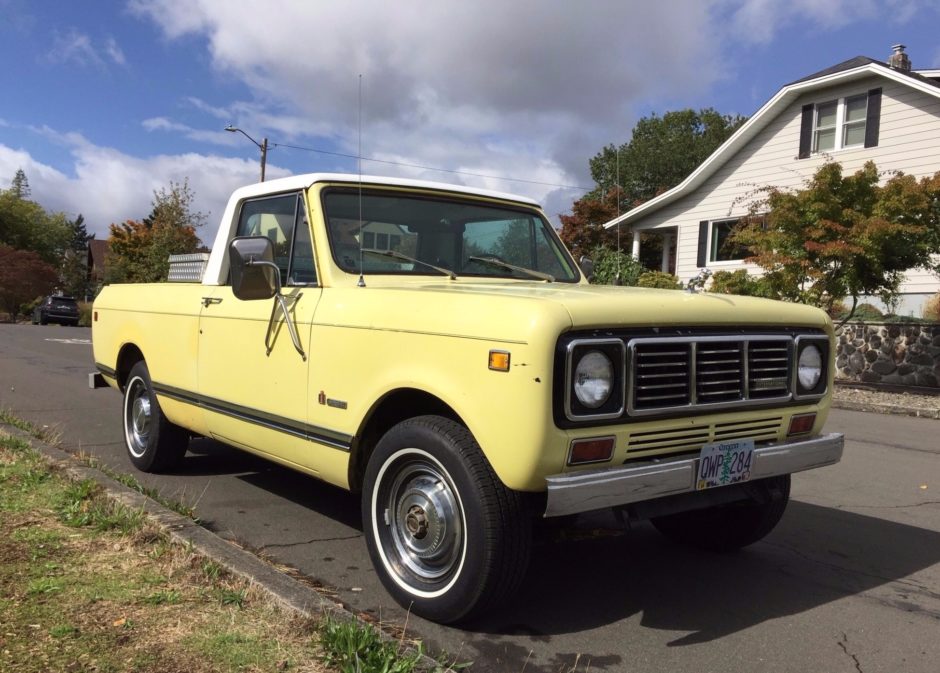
(849, 580)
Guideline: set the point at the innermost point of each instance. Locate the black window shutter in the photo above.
(806, 132)
(702, 260)
(873, 118)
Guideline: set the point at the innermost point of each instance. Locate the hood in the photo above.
(512, 311)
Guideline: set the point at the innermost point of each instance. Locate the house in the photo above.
(97, 259)
(858, 110)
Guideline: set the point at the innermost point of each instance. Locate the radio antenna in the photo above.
(617, 280)
(362, 280)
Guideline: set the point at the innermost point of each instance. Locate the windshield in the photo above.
(460, 236)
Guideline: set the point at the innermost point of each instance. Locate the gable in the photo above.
(911, 91)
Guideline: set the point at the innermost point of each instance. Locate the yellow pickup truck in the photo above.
(437, 349)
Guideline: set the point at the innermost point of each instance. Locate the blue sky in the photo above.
(104, 102)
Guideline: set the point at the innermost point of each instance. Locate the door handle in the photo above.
(211, 300)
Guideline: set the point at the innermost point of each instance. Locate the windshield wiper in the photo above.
(492, 260)
(405, 258)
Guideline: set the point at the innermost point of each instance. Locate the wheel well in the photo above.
(129, 356)
(392, 409)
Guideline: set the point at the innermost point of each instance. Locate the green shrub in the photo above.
(84, 314)
(608, 262)
(659, 279)
(27, 308)
(867, 313)
(739, 282)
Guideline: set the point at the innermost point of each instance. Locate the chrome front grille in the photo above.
(674, 373)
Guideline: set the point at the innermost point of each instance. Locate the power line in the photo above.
(430, 168)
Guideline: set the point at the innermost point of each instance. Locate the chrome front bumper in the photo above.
(575, 492)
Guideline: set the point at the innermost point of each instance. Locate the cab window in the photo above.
(283, 220)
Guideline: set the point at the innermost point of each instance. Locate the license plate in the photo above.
(724, 463)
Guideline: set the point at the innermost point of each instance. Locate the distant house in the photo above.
(853, 112)
(97, 257)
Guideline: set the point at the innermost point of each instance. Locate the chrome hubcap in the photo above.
(424, 523)
(138, 418)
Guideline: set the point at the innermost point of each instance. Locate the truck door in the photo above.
(252, 398)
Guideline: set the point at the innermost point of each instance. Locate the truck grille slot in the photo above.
(693, 439)
(678, 373)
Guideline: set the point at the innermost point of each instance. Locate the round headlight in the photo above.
(593, 379)
(809, 367)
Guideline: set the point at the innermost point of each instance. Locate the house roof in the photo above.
(847, 71)
(98, 250)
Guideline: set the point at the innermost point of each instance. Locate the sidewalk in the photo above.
(882, 402)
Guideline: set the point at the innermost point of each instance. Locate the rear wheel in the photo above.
(153, 443)
(447, 539)
(728, 527)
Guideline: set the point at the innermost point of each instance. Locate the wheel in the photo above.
(43, 320)
(446, 538)
(153, 443)
(729, 527)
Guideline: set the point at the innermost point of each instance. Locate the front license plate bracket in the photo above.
(725, 463)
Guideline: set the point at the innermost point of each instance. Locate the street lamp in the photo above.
(263, 146)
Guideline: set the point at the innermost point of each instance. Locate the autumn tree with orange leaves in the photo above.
(139, 250)
(843, 236)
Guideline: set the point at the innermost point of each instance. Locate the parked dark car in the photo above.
(56, 308)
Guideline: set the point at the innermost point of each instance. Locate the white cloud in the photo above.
(77, 47)
(114, 51)
(528, 88)
(108, 186)
(73, 47)
(200, 135)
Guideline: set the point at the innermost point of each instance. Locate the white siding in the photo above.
(909, 141)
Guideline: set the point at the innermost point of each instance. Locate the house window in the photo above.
(721, 248)
(839, 124)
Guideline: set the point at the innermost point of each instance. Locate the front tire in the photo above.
(725, 528)
(446, 538)
(153, 443)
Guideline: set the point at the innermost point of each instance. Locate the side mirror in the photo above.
(254, 274)
(587, 267)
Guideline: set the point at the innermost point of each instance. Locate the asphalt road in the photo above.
(849, 581)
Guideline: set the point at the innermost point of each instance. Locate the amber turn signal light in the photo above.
(801, 424)
(499, 361)
(594, 450)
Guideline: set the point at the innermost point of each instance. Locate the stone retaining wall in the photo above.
(899, 354)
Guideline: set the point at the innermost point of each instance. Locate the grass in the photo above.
(88, 584)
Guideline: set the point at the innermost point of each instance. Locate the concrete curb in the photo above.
(284, 589)
(894, 409)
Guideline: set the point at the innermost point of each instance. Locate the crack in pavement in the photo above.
(916, 504)
(844, 645)
(316, 539)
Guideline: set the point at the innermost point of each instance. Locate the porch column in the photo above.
(667, 245)
(636, 244)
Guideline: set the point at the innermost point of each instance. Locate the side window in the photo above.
(282, 219)
(721, 248)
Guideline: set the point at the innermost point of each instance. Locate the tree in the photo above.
(661, 153)
(139, 250)
(25, 225)
(24, 276)
(583, 231)
(19, 185)
(73, 270)
(843, 236)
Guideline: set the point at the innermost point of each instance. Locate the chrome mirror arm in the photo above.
(279, 301)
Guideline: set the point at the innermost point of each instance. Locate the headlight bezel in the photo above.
(801, 343)
(614, 405)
